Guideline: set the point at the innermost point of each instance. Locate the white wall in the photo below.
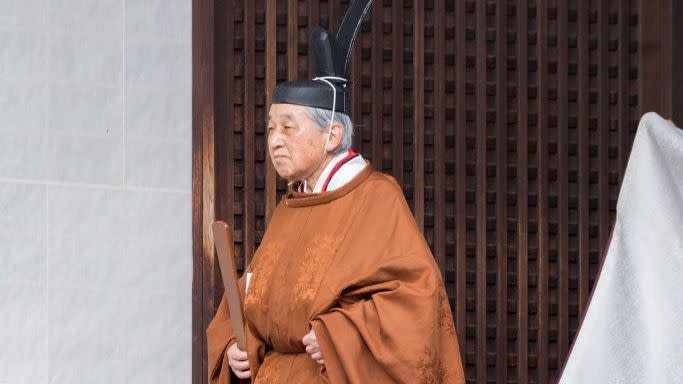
(95, 191)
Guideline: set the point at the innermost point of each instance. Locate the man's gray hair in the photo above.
(322, 120)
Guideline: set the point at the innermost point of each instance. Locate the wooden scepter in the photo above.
(226, 260)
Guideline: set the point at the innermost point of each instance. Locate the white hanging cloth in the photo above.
(633, 328)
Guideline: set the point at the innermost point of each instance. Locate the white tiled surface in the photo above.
(95, 191)
(160, 19)
(157, 114)
(23, 333)
(158, 164)
(22, 14)
(22, 54)
(92, 111)
(84, 159)
(85, 60)
(23, 104)
(85, 17)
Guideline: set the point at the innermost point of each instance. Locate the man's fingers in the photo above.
(238, 361)
(242, 374)
(312, 348)
(308, 338)
(236, 354)
(239, 356)
(316, 355)
(240, 365)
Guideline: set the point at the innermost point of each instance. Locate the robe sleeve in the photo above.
(394, 330)
(392, 323)
(219, 336)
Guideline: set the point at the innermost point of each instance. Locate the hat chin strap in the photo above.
(327, 79)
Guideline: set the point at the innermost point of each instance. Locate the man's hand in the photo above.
(237, 359)
(311, 344)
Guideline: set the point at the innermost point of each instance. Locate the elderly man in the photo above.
(303, 147)
(343, 287)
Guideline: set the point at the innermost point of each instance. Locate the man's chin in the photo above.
(284, 173)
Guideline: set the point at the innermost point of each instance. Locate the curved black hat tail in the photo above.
(346, 35)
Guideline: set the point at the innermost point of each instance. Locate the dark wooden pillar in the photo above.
(203, 181)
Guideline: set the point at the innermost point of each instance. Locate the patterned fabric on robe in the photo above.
(353, 265)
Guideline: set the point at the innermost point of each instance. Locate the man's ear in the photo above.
(336, 135)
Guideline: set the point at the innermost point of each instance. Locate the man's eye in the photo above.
(270, 128)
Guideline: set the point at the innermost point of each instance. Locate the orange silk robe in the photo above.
(352, 264)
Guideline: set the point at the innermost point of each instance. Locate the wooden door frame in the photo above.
(203, 180)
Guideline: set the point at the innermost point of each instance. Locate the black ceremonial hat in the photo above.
(328, 89)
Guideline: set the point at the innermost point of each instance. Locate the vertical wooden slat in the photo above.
(669, 43)
(439, 135)
(522, 193)
(418, 112)
(223, 122)
(655, 61)
(624, 117)
(377, 80)
(643, 88)
(542, 191)
(461, 178)
(501, 192)
(335, 16)
(313, 21)
(248, 213)
(676, 62)
(563, 188)
(229, 127)
(271, 74)
(481, 190)
(292, 39)
(397, 92)
(603, 127)
(584, 161)
(202, 180)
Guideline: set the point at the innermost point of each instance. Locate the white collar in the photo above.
(343, 167)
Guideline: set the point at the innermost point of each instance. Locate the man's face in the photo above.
(295, 143)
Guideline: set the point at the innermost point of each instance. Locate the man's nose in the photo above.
(275, 139)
